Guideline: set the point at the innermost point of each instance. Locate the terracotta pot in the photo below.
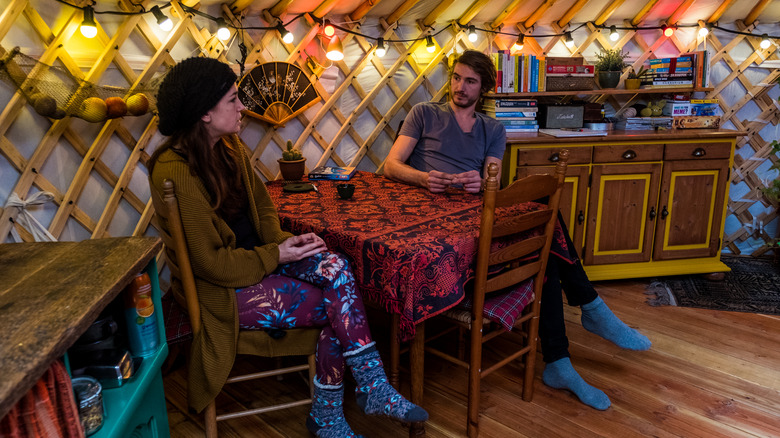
(633, 83)
(292, 170)
(609, 79)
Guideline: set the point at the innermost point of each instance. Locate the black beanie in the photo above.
(189, 90)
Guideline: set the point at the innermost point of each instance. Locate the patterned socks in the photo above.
(561, 375)
(598, 319)
(326, 419)
(374, 394)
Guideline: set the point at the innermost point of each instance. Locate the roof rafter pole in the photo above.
(280, 7)
(678, 13)
(640, 16)
(472, 12)
(436, 12)
(607, 12)
(324, 8)
(569, 14)
(509, 10)
(537, 14)
(719, 12)
(756, 11)
(363, 9)
(398, 13)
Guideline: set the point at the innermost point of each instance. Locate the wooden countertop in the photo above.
(613, 136)
(50, 292)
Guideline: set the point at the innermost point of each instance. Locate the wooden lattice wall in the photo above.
(107, 194)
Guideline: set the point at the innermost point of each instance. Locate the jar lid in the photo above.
(87, 390)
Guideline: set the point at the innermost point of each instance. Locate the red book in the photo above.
(570, 69)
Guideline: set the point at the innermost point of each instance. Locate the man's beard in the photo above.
(468, 103)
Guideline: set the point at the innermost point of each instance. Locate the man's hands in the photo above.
(299, 247)
(437, 181)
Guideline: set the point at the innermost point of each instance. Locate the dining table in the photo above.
(412, 251)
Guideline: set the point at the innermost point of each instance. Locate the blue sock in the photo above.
(326, 419)
(561, 375)
(598, 319)
(374, 394)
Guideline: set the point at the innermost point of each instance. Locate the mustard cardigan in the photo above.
(219, 266)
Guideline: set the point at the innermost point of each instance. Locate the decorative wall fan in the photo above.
(276, 92)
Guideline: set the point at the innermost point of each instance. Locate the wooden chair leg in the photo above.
(210, 416)
(475, 376)
(417, 365)
(312, 374)
(530, 360)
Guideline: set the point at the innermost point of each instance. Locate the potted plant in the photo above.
(610, 64)
(292, 164)
(634, 79)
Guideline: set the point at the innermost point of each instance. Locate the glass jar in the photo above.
(89, 396)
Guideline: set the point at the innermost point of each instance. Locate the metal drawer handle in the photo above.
(664, 213)
(555, 157)
(652, 213)
(580, 218)
(629, 155)
(699, 152)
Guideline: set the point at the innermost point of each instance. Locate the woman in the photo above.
(250, 274)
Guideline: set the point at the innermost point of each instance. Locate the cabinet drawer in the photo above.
(697, 151)
(541, 157)
(628, 153)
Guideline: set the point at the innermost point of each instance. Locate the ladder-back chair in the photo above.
(506, 267)
(297, 342)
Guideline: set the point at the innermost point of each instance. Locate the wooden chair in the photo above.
(296, 342)
(515, 268)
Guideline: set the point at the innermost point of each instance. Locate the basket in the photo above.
(565, 83)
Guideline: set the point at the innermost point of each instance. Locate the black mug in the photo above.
(101, 329)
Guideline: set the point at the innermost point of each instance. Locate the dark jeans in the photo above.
(561, 277)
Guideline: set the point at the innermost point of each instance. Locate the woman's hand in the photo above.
(299, 247)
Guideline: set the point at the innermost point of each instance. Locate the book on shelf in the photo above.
(571, 69)
(516, 112)
(509, 123)
(501, 116)
(700, 67)
(570, 75)
(670, 70)
(530, 128)
(675, 60)
(515, 103)
(332, 172)
(542, 72)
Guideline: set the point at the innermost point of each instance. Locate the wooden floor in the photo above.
(708, 374)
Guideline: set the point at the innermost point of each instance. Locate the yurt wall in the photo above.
(96, 172)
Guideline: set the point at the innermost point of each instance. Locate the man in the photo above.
(450, 144)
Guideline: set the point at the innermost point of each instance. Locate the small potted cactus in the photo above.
(292, 164)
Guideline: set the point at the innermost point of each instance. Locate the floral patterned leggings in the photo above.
(318, 291)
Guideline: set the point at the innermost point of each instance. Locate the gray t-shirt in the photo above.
(443, 146)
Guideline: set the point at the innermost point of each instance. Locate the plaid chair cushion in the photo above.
(177, 323)
(503, 307)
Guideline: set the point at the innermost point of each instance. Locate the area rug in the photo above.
(753, 285)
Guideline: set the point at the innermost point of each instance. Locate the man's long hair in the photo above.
(481, 64)
(215, 165)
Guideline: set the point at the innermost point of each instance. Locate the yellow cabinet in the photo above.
(639, 204)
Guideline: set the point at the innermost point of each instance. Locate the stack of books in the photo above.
(517, 115)
(644, 123)
(689, 70)
(518, 73)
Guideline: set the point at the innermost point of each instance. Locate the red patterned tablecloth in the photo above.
(412, 250)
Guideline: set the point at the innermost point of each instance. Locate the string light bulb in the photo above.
(327, 29)
(287, 36)
(88, 26)
(705, 30)
(380, 47)
(429, 45)
(472, 34)
(668, 30)
(518, 45)
(765, 43)
(163, 21)
(223, 33)
(613, 33)
(335, 51)
(567, 39)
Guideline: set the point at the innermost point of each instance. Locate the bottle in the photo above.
(139, 313)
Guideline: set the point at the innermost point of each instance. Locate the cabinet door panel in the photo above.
(691, 209)
(621, 212)
(574, 198)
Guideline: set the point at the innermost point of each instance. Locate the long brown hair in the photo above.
(216, 166)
